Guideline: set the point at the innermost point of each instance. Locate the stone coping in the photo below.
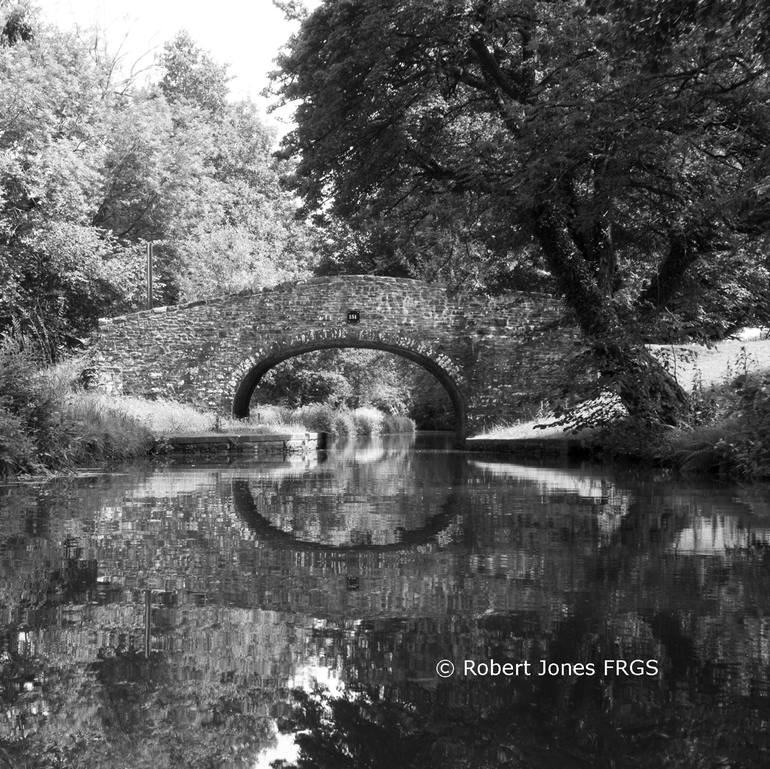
(232, 441)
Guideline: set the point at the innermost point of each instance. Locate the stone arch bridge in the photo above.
(497, 358)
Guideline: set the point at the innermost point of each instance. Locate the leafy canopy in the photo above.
(93, 166)
(624, 140)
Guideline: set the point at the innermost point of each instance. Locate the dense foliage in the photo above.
(93, 165)
(350, 379)
(619, 145)
(733, 436)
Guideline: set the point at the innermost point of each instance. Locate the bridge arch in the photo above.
(250, 371)
(498, 358)
(276, 538)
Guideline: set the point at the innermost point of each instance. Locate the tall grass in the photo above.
(157, 416)
(103, 430)
(271, 415)
(398, 423)
(368, 421)
(345, 423)
(47, 422)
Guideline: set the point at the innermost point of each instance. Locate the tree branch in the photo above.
(491, 70)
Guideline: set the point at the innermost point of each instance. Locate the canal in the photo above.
(393, 603)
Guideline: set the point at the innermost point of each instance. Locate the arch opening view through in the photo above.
(347, 376)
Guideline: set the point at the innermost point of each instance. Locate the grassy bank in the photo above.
(47, 423)
(50, 422)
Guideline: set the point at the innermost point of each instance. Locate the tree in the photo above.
(439, 239)
(56, 269)
(624, 142)
(91, 169)
(190, 74)
(251, 221)
(16, 23)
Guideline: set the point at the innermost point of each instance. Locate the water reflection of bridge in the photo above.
(312, 541)
(460, 536)
(377, 564)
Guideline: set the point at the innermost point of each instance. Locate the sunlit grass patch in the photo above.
(696, 365)
(521, 430)
(548, 425)
(104, 429)
(159, 416)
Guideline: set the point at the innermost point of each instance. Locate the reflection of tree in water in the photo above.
(126, 709)
(530, 567)
(370, 732)
(700, 617)
(66, 705)
(533, 722)
(151, 718)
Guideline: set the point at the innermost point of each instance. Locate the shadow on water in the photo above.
(208, 614)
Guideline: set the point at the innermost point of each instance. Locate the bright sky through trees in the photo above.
(246, 34)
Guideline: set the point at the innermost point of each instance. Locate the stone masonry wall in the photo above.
(497, 358)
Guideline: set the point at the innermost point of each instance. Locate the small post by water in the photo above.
(149, 275)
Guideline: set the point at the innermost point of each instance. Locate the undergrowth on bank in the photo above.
(726, 432)
(46, 423)
(733, 435)
(727, 429)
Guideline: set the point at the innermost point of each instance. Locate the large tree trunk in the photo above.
(574, 276)
(646, 389)
(668, 279)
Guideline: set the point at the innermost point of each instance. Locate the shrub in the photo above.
(317, 417)
(736, 440)
(17, 449)
(30, 407)
(628, 438)
(344, 426)
(398, 423)
(48, 422)
(368, 420)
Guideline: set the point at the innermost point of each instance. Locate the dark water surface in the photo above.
(203, 615)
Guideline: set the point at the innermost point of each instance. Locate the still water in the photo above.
(251, 613)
